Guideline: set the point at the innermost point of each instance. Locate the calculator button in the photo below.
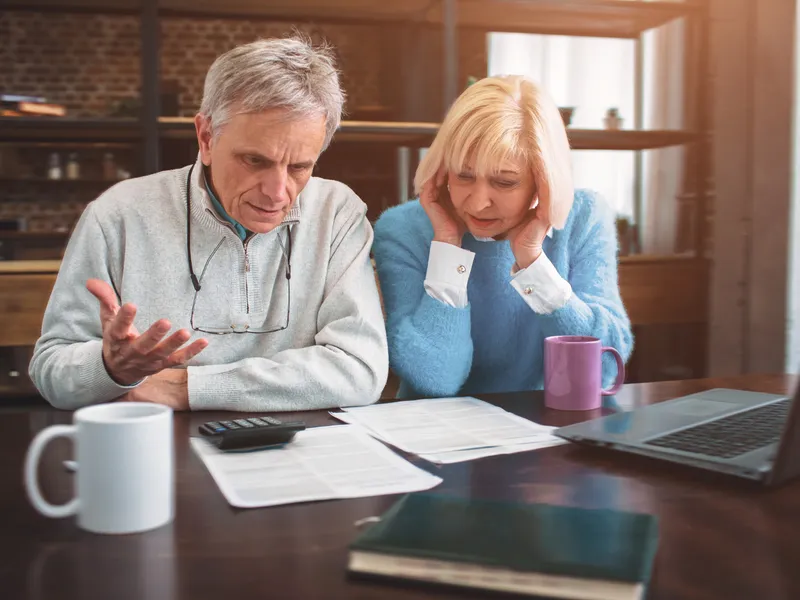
(213, 425)
(258, 422)
(230, 424)
(271, 421)
(243, 423)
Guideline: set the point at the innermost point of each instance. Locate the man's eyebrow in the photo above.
(306, 164)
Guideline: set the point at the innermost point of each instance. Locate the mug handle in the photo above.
(31, 466)
(620, 371)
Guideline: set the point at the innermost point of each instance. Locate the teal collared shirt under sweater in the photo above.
(238, 227)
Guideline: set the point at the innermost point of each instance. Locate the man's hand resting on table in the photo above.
(130, 356)
(168, 387)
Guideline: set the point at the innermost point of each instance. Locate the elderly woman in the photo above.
(498, 253)
(238, 282)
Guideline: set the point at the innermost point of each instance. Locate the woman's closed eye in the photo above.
(505, 184)
(466, 176)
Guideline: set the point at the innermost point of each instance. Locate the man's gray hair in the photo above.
(289, 73)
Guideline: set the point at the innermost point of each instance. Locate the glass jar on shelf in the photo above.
(54, 167)
(73, 167)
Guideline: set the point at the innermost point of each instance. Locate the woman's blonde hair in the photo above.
(501, 118)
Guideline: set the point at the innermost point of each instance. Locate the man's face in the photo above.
(260, 162)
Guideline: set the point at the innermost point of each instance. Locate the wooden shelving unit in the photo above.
(667, 290)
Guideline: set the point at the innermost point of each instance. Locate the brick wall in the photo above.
(85, 62)
(191, 45)
(91, 63)
(88, 62)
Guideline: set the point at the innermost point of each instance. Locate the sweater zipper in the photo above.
(246, 264)
(246, 274)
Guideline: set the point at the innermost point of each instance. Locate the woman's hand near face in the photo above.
(435, 199)
(527, 238)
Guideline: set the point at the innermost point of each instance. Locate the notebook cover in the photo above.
(540, 538)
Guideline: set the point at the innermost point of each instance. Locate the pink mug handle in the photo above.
(620, 372)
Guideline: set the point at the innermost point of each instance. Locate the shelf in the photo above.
(33, 235)
(421, 134)
(597, 18)
(68, 128)
(65, 181)
(657, 259)
(27, 267)
(398, 133)
(628, 139)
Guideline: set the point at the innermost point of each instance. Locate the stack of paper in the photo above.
(320, 463)
(449, 430)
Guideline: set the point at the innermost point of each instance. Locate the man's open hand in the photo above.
(129, 356)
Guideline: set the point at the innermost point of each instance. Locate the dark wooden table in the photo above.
(720, 537)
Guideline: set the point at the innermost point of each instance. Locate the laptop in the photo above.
(746, 434)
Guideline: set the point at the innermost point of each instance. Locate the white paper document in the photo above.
(456, 456)
(321, 463)
(443, 425)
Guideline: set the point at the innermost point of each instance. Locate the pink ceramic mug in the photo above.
(573, 372)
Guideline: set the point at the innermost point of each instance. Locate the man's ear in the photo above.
(202, 125)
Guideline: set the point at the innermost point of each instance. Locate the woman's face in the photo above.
(490, 206)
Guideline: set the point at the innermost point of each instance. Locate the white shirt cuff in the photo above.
(448, 273)
(541, 286)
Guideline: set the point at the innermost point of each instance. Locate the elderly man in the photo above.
(240, 282)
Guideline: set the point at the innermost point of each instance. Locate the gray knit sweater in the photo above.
(333, 352)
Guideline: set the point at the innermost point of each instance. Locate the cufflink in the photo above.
(527, 291)
(461, 269)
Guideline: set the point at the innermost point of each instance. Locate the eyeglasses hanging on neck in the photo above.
(196, 282)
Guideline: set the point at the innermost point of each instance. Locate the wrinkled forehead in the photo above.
(278, 135)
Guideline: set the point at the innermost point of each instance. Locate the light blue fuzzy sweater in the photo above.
(495, 344)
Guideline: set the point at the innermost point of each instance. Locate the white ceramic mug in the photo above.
(125, 468)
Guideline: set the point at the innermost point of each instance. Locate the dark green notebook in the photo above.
(535, 549)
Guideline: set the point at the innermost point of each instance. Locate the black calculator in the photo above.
(252, 433)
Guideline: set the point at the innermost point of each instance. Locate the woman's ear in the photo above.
(542, 205)
(544, 195)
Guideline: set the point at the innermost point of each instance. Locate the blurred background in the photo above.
(681, 114)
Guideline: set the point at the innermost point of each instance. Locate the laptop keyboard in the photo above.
(733, 435)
